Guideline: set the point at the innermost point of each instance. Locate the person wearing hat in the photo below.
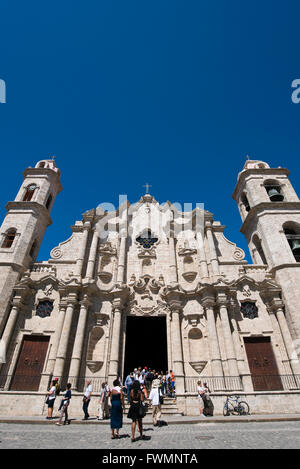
(155, 400)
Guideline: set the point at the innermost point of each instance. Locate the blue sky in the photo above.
(175, 93)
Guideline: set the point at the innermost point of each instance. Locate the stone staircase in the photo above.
(168, 408)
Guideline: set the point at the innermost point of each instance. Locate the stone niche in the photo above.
(96, 349)
(197, 350)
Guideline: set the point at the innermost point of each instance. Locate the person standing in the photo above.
(172, 382)
(148, 379)
(51, 399)
(208, 410)
(164, 385)
(65, 405)
(135, 412)
(103, 402)
(201, 392)
(128, 383)
(156, 405)
(87, 398)
(117, 406)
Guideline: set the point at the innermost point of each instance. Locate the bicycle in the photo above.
(233, 405)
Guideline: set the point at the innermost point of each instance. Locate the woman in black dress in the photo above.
(135, 411)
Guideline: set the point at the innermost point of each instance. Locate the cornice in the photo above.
(30, 206)
(271, 206)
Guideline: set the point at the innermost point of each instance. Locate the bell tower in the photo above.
(270, 211)
(24, 226)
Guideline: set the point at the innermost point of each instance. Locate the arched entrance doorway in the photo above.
(146, 343)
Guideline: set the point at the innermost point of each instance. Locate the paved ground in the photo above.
(233, 435)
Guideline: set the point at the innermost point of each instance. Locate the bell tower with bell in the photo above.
(270, 211)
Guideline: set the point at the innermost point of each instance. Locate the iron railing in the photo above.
(235, 383)
(215, 383)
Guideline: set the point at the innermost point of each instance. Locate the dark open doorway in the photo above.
(146, 343)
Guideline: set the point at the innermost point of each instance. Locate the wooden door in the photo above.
(30, 364)
(262, 364)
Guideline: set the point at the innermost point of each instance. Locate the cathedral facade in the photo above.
(153, 285)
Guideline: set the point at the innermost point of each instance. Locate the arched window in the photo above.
(259, 254)
(29, 193)
(9, 238)
(274, 191)
(292, 233)
(245, 202)
(48, 203)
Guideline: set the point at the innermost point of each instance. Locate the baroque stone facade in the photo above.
(233, 324)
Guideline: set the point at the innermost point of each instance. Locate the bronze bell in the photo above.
(295, 245)
(275, 195)
(247, 206)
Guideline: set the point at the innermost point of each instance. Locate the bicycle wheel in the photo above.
(228, 409)
(243, 408)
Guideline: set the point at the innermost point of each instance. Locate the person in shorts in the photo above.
(51, 399)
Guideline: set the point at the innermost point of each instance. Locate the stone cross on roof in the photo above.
(147, 185)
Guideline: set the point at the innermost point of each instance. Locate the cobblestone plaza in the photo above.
(253, 435)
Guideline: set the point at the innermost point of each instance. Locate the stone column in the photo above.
(287, 339)
(173, 263)
(212, 250)
(92, 257)
(177, 347)
(11, 322)
(115, 342)
(56, 338)
(242, 364)
(202, 257)
(78, 344)
(226, 330)
(122, 259)
(213, 341)
(81, 255)
(169, 338)
(65, 336)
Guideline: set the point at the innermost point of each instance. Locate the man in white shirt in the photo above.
(156, 406)
(86, 398)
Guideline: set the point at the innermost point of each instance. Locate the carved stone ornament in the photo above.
(56, 253)
(246, 291)
(107, 249)
(198, 366)
(186, 251)
(48, 289)
(238, 254)
(189, 276)
(94, 365)
(148, 308)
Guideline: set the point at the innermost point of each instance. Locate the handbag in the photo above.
(143, 407)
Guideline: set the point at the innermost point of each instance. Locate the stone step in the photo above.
(169, 407)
